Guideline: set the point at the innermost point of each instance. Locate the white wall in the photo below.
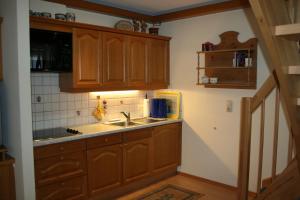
(207, 152)
(15, 93)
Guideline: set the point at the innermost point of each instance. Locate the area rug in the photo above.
(170, 192)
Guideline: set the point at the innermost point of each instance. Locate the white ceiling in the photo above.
(155, 7)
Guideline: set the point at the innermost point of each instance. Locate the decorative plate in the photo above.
(124, 25)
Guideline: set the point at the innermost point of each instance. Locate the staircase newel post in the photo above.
(245, 147)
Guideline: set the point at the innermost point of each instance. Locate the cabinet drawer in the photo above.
(104, 140)
(137, 134)
(72, 189)
(59, 168)
(57, 149)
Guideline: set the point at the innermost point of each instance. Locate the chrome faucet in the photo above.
(127, 117)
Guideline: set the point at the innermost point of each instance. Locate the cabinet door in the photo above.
(87, 59)
(60, 167)
(136, 159)
(114, 60)
(158, 67)
(72, 189)
(166, 146)
(104, 169)
(137, 62)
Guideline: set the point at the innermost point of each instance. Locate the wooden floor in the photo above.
(212, 192)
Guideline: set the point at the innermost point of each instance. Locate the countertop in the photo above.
(93, 130)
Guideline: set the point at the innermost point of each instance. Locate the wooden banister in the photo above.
(261, 145)
(291, 148)
(275, 140)
(245, 148)
(263, 92)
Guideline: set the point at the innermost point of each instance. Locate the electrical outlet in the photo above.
(229, 106)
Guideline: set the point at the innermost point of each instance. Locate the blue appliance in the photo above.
(158, 108)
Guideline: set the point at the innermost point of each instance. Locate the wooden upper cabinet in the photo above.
(137, 62)
(158, 64)
(166, 146)
(114, 60)
(136, 160)
(110, 59)
(104, 169)
(87, 58)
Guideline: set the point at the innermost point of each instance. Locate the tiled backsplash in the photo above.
(52, 108)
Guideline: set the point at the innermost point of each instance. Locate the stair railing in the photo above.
(248, 106)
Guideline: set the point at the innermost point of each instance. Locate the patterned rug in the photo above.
(171, 192)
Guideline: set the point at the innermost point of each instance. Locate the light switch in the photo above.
(229, 106)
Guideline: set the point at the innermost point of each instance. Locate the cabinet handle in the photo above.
(62, 158)
(62, 184)
(62, 148)
(106, 139)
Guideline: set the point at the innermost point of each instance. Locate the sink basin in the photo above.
(124, 124)
(148, 120)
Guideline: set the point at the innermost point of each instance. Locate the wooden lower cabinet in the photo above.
(7, 177)
(72, 189)
(166, 146)
(59, 168)
(112, 165)
(104, 169)
(136, 160)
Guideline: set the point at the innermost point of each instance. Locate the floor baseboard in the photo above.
(228, 187)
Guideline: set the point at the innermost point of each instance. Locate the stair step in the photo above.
(289, 31)
(294, 69)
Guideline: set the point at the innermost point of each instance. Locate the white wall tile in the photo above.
(48, 107)
(59, 109)
(55, 98)
(63, 97)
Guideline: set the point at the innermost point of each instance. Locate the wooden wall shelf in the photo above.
(219, 63)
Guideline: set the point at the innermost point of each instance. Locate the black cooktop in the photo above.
(53, 133)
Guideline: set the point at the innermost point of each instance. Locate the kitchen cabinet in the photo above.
(137, 62)
(106, 59)
(106, 166)
(60, 171)
(137, 155)
(166, 146)
(114, 60)
(158, 64)
(60, 167)
(87, 58)
(73, 189)
(104, 169)
(7, 175)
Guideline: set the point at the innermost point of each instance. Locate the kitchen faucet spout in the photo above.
(127, 117)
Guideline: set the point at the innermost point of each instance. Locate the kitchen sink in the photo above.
(124, 124)
(148, 120)
(137, 122)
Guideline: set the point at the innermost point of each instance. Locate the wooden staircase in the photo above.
(279, 36)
